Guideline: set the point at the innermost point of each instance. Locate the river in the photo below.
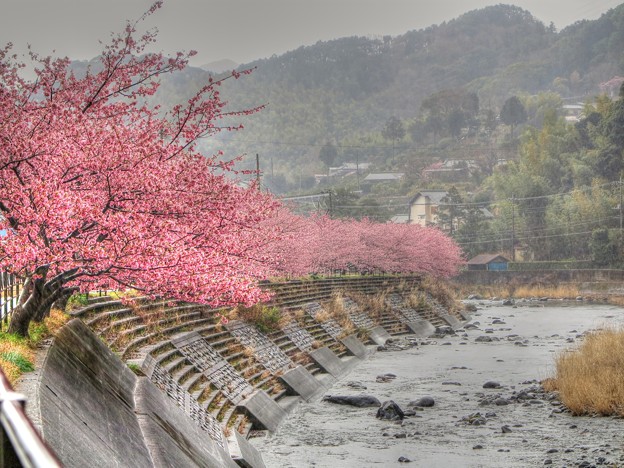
(453, 371)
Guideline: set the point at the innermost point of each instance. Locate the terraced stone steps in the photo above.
(147, 330)
(297, 292)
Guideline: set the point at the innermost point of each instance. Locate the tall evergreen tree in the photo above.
(513, 113)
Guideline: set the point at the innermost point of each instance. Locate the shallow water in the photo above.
(321, 434)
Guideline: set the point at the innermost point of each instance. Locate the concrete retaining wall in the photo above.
(94, 411)
(601, 280)
(89, 416)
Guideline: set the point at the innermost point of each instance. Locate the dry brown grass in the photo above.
(322, 316)
(523, 291)
(278, 388)
(416, 299)
(55, 321)
(264, 318)
(337, 310)
(373, 304)
(565, 291)
(14, 356)
(242, 425)
(299, 315)
(249, 372)
(17, 355)
(590, 379)
(616, 300)
(150, 317)
(284, 320)
(485, 290)
(335, 305)
(301, 357)
(441, 292)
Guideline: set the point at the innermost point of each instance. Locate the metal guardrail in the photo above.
(10, 286)
(20, 443)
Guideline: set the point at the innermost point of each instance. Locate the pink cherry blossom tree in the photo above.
(99, 190)
(321, 244)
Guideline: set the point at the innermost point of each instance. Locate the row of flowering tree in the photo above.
(320, 244)
(97, 189)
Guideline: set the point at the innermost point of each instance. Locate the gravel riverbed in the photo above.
(512, 424)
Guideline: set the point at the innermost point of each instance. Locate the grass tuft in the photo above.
(17, 354)
(266, 319)
(590, 379)
(17, 358)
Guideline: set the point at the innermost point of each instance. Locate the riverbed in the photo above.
(465, 427)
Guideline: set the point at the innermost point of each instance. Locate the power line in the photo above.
(504, 239)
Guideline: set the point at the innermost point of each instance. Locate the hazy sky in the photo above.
(245, 30)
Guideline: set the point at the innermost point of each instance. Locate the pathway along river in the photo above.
(453, 370)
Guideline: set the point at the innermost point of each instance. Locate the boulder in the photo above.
(444, 330)
(424, 402)
(390, 410)
(357, 385)
(361, 401)
(491, 384)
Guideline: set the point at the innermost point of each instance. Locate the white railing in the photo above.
(10, 287)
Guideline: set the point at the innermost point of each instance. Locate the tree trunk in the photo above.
(36, 299)
(20, 319)
(61, 302)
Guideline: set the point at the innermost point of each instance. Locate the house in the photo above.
(488, 262)
(423, 207)
(573, 112)
(374, 178)
(400, 219)
(381, 178)
(612, 87)
(348, 169)
(449, 170)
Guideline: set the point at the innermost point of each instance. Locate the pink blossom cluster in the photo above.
(320, 244)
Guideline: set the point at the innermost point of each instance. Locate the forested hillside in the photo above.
(487, 89)
(344, 90)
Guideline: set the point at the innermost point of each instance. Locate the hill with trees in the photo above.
(483, 95)
(344, 91)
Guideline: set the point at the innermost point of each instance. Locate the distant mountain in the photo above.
(344, 90)
(220, 66)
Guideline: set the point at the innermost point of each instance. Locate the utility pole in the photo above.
(621, 214)
(258, 170)
(357, 167)
(513, 228)
(331, 205)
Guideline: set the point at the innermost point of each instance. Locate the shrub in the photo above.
(590, 379)
(266, 319)
(77, 301)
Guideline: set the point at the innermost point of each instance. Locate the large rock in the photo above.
(424, 402)
(390, 410)
(361, 401)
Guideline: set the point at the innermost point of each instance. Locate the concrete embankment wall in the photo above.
(90, 416)
(599, 281)
(94, 411)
